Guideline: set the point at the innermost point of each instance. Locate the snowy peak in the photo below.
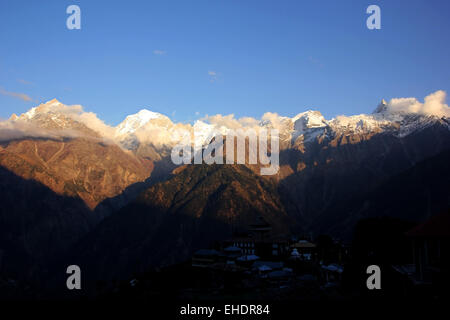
(45, 107)
(360, 123)
(136, 121)
(382, 107)
(312, 115)
(146, 115)
(56, 116)
(398, 116)
(204, 132)
(308, 120)
(54, 102)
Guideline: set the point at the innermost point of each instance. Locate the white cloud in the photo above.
(10, 130)
(159, 52)
(227, 121)
(434, 104)
(230, 122)
(162, 131)
(91, 120)
(77, 113)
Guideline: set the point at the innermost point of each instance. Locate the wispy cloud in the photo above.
(17, 95)
(25, 82)
(159, 52)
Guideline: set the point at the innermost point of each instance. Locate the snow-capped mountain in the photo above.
(148, 128)
(136, 121)
(44, 108)
(308, 125)
(53, 118)
(311, 124)
(307, 120)
(325, 167)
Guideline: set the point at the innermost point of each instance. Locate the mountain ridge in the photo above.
(151, 128)
(120, 205)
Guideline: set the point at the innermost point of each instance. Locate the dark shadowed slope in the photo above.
(36, 225)
(413, 195)
(198, 205)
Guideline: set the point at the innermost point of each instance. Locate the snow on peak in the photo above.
(53, 102)
(398, 116)
(202, 131)
(381, 108)
(42, 108)
(308, 120)
(30, 113)
(147, 115)
(308, 114)
(135, 121)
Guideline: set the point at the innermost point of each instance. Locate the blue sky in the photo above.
(190, 58)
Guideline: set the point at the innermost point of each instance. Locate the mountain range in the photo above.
(110, 199)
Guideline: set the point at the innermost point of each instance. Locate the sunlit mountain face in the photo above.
(398, 117)
(77, 188)
(216, 158)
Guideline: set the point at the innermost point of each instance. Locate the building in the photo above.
(331, 273)
(303, 250)
(431, 250)
(259, 241)
(260, 229)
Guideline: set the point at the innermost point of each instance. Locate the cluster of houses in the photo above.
(259, 264)
(261, 254)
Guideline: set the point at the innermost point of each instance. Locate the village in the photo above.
(261, 260)
(257, 265)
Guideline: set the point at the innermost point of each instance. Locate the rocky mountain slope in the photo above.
(200, 204)
(331, 173)
(79, 167)
(59, 178)
(415, 194)
(36, 226)
(328, 171)
(69, 157)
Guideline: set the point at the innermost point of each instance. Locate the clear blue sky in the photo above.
(279, 56)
